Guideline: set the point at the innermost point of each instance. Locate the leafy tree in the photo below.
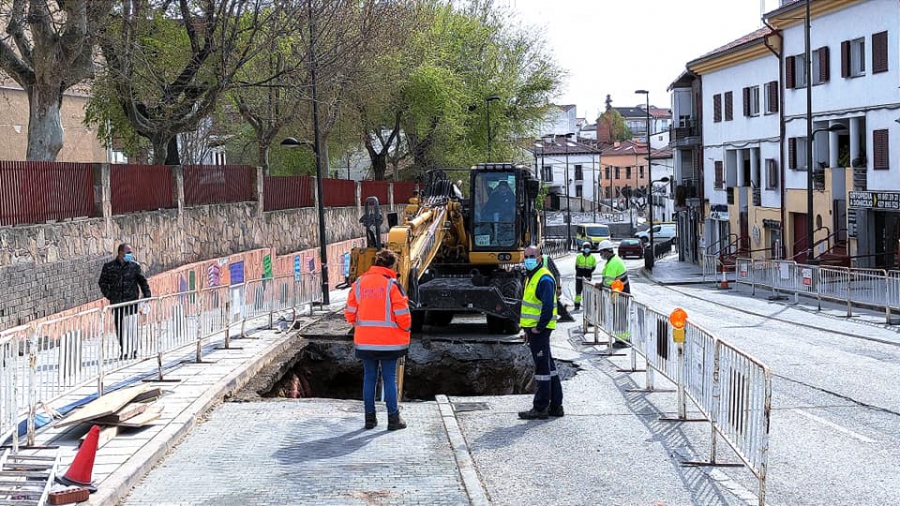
(47, 49)
(617, 128)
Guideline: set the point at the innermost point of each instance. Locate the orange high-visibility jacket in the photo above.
(379, 311)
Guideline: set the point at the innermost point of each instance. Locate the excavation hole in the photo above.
(330, 369)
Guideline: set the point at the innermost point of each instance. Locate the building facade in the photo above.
(570, 170)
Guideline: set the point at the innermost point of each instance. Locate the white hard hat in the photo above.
(607, 244)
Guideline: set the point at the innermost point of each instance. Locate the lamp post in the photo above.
(568, 201)
(649, 258)
(487, 105)
(810, 226)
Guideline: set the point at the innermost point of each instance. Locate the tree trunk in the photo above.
(172, 157)
(45, 131)
(379, 165)
(262, 156)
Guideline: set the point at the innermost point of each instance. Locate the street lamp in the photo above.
(568, 201)
(291, 142)
(810, 226)
(649, 258)
(487, 105)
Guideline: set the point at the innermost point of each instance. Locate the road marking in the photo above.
(836, 427)
(747, 497)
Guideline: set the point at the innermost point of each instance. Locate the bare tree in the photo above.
(169, 61)
(47, 49)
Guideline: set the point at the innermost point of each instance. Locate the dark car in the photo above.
(631, 247)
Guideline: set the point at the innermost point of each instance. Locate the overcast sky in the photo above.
(618, 46)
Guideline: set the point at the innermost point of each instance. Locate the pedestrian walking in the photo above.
(585, 264)
(538, 319)
(615, 270)
(379, 312)
(120, 281)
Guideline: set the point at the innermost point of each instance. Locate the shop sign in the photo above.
(875, 200)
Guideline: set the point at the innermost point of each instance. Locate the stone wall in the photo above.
(45, 269)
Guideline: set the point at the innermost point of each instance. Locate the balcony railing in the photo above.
(687, 133)
(687, 190)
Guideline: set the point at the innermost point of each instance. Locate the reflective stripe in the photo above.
(541, 377)
(387, 301)
(529, 304)
(356, 289)
(351, 309)
(383, 347)
(375, 323)
(402, 311)
(530, 317)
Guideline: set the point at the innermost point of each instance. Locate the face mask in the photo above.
(530, 263)
(128, 257)
(587, 251)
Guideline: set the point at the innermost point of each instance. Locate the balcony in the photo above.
(687, 134)
(687, 193)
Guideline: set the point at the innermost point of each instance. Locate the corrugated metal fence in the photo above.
(287, 192)
(136, 188)
(218, 184)
(35, 192)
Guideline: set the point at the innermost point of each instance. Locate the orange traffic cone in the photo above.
(79, 472)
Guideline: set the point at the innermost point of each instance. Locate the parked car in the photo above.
(591, 233)
(631, 247)
(661, 232)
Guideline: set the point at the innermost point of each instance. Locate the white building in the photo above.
(558, 120)
(558, 160)
(855, 72)
(741, 144)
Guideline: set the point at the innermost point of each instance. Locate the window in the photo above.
(751, 101)
(578, 191)
(547, 173)
(821, 70)
(771, 97)
(494, 205)
(881, 160)
(853, 57)
(641, 168)
(771, 174)
(800, 71)
(797, 153)
(617, 173)
(717, 108)
(579, 174)
(720, 175)
(627, 172)
(879, 52)
(607, 173)
(608, 192)
(729, 106)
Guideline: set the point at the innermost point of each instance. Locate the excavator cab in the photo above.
(502, 212)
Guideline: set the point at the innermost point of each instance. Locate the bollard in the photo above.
(199, 345)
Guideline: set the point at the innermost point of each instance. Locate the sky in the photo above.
(618, 46)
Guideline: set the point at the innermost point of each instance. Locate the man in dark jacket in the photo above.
(120, 280)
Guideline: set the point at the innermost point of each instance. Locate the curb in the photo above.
(120, 483)
(474, 487)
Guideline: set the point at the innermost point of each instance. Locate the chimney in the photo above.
(604, 132)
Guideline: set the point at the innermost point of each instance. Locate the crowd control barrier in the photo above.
(731, 389)
(877, 288)
(40, 364)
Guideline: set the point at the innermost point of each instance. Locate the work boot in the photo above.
(618, 343)
(577, 306)
(371, 421)
(557, 411)
(533, 414)
(395, 422)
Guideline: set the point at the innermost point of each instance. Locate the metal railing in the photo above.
(861, 287)
(40, 364)
(730, 388)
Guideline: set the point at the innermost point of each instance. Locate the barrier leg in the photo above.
(159, 374)
(681, 397)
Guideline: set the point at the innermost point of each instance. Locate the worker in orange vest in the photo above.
(379, 312)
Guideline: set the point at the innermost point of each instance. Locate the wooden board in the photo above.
(106, 435)
(103, 406)
(143, 419)
(130, 411)
(150, 395)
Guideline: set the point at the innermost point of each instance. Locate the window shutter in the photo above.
(879, 52)
(771, 174)
(746, 101)
(880, 141)
(792, 153)
(824, 70)
(717, 108)
(719, 175)
(845, 58)
(789, 72)
(729, 106)
(772, 94)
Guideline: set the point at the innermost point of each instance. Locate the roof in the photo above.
(560, 148)
(683, 80)
(625, 148)
(747, 41)
(784, 16)
(631, 112)
(662, 153)
(658, 113)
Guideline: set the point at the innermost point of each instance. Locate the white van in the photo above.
(661, 232)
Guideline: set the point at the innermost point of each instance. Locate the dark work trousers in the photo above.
(549, 388)
(579, 286)
(120, 314)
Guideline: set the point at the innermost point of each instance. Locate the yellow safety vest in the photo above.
(531, 305)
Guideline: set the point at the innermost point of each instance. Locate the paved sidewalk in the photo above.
(669, 271)
(121, 462)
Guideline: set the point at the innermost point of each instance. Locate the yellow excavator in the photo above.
(459, 254)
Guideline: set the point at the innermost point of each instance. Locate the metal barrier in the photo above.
(710, 266)
(730, 388)
(40, 364)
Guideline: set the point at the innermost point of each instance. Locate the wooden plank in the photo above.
(144, 418)
(103, 406)
(106, 435)
(130, 411)
(150, 395)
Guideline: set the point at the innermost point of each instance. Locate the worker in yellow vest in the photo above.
(614, 270)
(585, 264)
(538, 319)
